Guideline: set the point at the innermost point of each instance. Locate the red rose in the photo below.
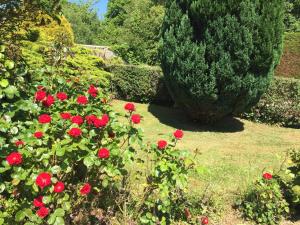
(178, 134)
(105, 118)
(44, 118)
(85, 189)
(82, 100)
(42, 212)
(14, 158)
(38, 202)
(267, 176)
(136, 118)
(19, 143)
(48, 101)
(93, 91)
(38, 134)
(62, 96)
(40, 95)
(75, 132)
(43, 180)
(162, 144)
(65, 116)
(103, 153)
(59, 187)
(129, 107)
(99, 123)
(77, 119)
(90, 119)
(204, 220)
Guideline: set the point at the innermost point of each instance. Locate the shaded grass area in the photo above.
(231, 155)
(290, 62)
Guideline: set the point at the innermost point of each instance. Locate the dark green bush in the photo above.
(139, 83)
(218, 57)
(279, 105)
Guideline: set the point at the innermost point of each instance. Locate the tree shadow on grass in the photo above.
(178, 119)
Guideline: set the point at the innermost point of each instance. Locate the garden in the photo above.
(167, 112)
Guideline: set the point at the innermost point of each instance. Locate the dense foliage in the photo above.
(85, 22)
(133, 28)
(264, 202)
(279, 105)
(139, 83)
(292, 17)
(289, 179)
(219, 57)
(14, 13)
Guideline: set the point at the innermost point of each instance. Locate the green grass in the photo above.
(232, 154)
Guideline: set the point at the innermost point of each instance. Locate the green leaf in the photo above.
(20, 215)
(59, 221)
(9, 64)
(88, 161)
(4, 83)
(105, 183)
(60, 151)
(59, 212)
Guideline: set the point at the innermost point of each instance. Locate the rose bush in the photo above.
(72, 156)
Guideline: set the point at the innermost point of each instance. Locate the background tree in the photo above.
(133, 28)
(218, 57)
(14, 13)
(84, 20)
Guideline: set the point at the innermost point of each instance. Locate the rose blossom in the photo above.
(204, 220)
(38, 134)
(44, 118)
(136, 118)
(14, 158)
(90, 119)
(38, 202)
(65, 116)
(43, 180)
(62, 96)
(267, 176)
(162, 144)
(77, 119)
(85, 189)
(178, 134)
(40, 95)
(19, 143)
(42, 212)
(82, 100)
(59, 187)
(75, 132)
(129, 107)
(93, 91)
(49, 101)
(103, 153)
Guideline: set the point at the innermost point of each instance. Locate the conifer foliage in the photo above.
(218, 56)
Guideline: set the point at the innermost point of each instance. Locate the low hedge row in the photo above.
(280, 105)
(139, 83)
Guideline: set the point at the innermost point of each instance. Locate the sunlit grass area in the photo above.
(229, 156)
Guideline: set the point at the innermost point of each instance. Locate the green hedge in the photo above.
(139, 83)
(280, 105)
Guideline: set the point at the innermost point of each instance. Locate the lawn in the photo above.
(231, 155)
